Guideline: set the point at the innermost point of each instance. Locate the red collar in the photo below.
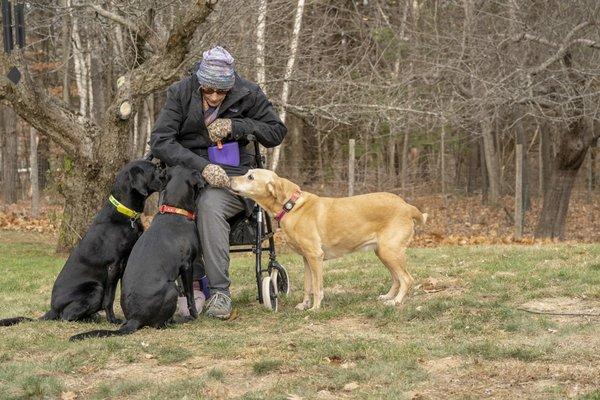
(287, 207)
(174, 210)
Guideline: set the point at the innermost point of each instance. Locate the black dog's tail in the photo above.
(13, 321)
(128, 327)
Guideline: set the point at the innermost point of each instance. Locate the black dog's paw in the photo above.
(115, 320)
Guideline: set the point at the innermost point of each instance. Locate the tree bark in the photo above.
(491, 161)
(546, 161)
(484, 173)
(519, 183)
(443, 162)
(9, 158)
(473, 167)
(404, 172)
(571, 154)
(33, 165)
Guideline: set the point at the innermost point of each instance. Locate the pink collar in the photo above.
(288, 206)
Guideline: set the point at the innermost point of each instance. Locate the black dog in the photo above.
(88, 280)
(164, 252)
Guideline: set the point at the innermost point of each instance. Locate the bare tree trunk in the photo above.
(593, 162)
(66, 48)
(443, 161)
(571, 155)
(285, 92)
(33, 165)
(9, 158)
(473, 166)
(81, 70)
(337, 163)
(519, 184)
(546, 160)
(484, 174)
(491, 160)
(43, 146)
(404, 172)
(391, 159)
(261, 72)
(295, 126)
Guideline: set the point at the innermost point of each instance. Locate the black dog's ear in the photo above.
(136, 177)
(168, 173)
(200, 182)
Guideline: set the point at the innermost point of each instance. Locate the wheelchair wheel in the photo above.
(269, 294)
(280, 278)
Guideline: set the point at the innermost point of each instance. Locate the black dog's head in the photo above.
(183, 186)
(142, 177)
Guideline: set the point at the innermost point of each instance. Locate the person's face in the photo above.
(213, 97)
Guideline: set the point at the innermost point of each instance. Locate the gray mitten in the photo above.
(215, 176)
(219, 129)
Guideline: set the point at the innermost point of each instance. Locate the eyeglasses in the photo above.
(207, 90)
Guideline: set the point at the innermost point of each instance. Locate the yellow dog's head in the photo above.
(263, 185)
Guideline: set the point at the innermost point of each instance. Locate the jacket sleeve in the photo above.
(262, 121)
(163, 140)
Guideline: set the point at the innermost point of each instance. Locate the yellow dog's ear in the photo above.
(273, 188)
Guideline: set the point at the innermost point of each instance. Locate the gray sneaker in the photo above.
(219, 306)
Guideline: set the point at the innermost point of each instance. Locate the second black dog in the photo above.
(163, 253)
(88, 280)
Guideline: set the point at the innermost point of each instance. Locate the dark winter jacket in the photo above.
(181, 138)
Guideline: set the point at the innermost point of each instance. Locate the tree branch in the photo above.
(114, 17)
(166, 64)
(567, 43)
(142, 29)
(72, 132)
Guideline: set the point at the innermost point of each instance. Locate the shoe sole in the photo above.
(220, 316)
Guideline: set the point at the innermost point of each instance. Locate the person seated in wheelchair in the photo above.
(203, 126)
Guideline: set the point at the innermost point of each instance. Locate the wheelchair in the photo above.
(254, 233)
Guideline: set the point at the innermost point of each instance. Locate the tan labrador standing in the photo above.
(323, 228)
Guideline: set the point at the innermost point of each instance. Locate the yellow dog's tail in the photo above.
(417, 216)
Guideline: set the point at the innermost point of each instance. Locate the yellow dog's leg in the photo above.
(307, 287)
(395, 260)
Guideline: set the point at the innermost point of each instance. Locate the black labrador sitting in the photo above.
(164, 252)
(88, 280)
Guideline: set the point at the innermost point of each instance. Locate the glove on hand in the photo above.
(219, 129)
(215, 176)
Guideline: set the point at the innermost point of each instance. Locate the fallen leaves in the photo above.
(462, 221)
(17, 217)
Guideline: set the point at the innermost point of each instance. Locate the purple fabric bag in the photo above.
(226, 154)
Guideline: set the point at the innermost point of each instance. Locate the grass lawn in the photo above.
(460, 335)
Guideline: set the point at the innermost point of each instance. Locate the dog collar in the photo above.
(123, 209)
(165, 209)
(288, 205)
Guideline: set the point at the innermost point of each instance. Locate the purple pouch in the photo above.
(226, 154)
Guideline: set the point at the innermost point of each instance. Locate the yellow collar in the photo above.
(121, 208)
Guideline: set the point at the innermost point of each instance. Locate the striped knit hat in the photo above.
(216, 69)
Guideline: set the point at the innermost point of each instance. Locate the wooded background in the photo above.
(451, 97)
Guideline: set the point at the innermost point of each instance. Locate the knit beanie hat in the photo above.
(216, 70)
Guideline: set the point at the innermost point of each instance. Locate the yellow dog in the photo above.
(323, 228)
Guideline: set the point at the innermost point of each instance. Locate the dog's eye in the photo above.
(250, 177)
